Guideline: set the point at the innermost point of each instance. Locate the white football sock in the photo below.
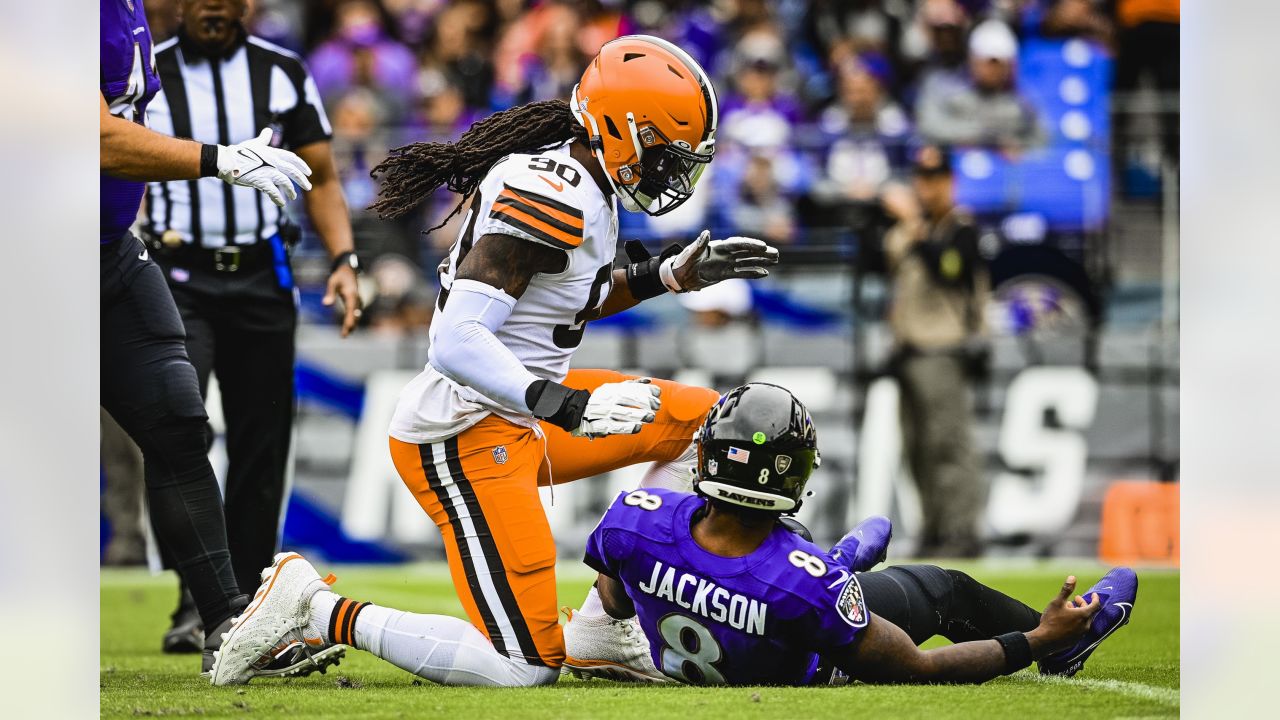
(674, 475)
(442, 649)
(322, 604)
(592, 606)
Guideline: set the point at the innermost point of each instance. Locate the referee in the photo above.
(225, 255)
(147, 383)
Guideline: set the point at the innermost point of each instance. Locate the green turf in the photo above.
(1135, 674)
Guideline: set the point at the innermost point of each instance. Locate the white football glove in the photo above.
(620, 408)
(254, 163)
(707, 262)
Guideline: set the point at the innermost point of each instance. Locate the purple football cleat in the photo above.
(866, 545)
(1117, 591)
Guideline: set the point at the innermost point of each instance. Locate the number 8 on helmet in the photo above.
(756, 449)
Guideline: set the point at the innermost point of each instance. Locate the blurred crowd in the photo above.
(822, 101)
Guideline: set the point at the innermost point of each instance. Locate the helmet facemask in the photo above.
(666, 173)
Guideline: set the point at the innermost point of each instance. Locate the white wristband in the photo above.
(667, 275)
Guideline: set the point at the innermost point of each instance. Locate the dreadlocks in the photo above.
(412, 172)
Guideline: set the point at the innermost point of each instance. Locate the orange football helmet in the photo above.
(650, 111)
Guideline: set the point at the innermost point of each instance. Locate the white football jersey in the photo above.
(547, 198)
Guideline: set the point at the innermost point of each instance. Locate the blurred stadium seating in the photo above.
(1079, 262)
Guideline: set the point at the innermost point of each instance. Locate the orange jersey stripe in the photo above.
(540, 228)
(571, 220)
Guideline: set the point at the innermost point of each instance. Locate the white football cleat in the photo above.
(269, 637)
(602, 647)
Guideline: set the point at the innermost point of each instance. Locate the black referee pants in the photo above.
(240, 326)
(926, 600)
(149, 387)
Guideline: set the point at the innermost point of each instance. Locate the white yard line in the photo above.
(1141, 691)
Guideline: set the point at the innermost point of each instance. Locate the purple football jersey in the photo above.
(128, 82)
(761, 619)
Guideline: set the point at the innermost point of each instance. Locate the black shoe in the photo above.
(186, 634)
(213, 641)
(185, 637)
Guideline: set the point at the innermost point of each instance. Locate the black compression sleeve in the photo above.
(559, 405)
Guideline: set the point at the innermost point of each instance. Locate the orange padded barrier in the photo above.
(1140, 523)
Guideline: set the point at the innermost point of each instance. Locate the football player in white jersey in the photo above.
(497, 411)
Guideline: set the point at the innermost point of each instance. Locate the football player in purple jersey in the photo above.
(725, 593)
(147, 381)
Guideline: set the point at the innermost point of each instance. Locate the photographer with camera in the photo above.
(939, 286)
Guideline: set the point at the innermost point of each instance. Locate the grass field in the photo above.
(1135, 674)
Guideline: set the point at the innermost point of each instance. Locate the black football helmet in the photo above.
(756, 449)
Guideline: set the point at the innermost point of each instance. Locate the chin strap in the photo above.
(595, 144)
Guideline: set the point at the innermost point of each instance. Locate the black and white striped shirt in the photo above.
(227, 100)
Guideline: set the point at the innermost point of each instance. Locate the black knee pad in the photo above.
(179, 392)
(172, 406)
(170, 396)
(960, 580)
(176, 452)
(938, 584)
(965, 588)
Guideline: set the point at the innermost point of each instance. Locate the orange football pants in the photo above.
(481, 489)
